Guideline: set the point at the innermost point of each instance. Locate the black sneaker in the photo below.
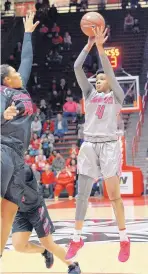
(49, 259)
(74, 268)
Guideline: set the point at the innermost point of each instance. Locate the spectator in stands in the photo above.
(62, 86)
(34, 145)
(129, 99)
(72, 157)
(55, 29)
(35, 81)
(36, 174)
(7, 5)
(128, 22)
(46, 146)
(43, 106)
(48, 180)
(40, 115)
(48, 125)
(47, 134)
(136, 26)
(67, 41)
(57, 41)
(58, 163)
(18, 50)
(19, 47)
(49, 58)
(51, 138)
(54, 84)
(67, 94)
(74, 150)
(65, 180)
(84, 4)
(60, 127)
(36, 126)
(57, 58)
(73, 167)
(44, 30)
(70, 109)
(29, 160)
(52, 157)
(53, 12)
(56, 101)
(40, 161)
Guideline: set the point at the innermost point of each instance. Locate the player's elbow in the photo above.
(77, 66)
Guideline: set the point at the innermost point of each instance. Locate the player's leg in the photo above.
(110, 160)
(21, 231)
(113, 190)
(84, 189)
(42, 224)
(8, 212)
(8, 208)
(88, 166)
(20, 241)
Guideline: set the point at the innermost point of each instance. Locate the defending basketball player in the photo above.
(100, 153)
(33, 213)
(16, 118)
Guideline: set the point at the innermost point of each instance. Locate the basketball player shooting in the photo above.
(16, 118)
(100, 153)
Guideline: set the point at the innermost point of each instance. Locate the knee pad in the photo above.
(28, 173)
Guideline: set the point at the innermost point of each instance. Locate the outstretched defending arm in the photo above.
(27, 52)
(82, 80)
(26, 58)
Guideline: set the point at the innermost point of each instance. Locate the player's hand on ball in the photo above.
(100, 36)
(28, 22)
(10, 112)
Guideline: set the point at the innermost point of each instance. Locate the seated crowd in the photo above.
(53, 172)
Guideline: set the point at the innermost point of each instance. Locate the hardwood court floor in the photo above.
(99, 255)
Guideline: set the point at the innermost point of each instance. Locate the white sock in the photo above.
(123, 236)
(77, 235)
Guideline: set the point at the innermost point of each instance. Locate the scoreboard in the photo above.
(114, 55)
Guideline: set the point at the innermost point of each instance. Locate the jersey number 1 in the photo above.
(100, 111)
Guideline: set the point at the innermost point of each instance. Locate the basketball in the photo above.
(89, 20)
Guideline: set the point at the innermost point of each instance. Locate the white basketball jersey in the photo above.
(101, 117)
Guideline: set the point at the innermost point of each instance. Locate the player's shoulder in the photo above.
(6, 91)
(93, 93)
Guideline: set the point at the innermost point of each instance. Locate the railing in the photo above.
(20, 8)
(136, 138)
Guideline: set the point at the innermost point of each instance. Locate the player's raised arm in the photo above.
(82, 80)
(113, 83)
(27, 52)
